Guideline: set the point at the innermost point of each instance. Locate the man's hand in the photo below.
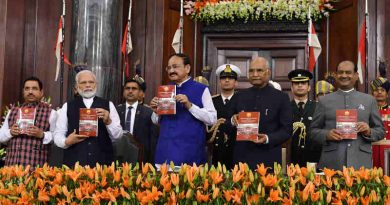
(184, 100)
(104, 115)
(35, 132)
(154, 104)
(364, 128)
(74, 138)
(15, 130)
(261, 139)
(235, 120)
(334, 135)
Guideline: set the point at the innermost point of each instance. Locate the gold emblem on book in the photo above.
(26, 111)
(165, 88)
(248, 114)
(88, 111)
(346, 113)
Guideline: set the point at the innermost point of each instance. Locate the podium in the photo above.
(381, 155)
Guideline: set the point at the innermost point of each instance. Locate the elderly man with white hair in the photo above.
(80, 148)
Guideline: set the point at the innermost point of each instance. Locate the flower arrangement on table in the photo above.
(212, 11)
(143, 184)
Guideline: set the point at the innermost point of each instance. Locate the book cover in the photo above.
(346, 121)
(248, 126)
(166, 100)
(88, 123)
(26, 119)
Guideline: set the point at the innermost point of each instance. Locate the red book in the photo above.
(88, 124)
(248, 126)
(346, 121)
(166, 100)
(386, 121)
(26, 119)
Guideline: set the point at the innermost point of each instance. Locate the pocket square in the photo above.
(361, 107)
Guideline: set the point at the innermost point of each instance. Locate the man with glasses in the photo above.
(183, 135)
(303, 150)
(275, 125)
(337, 151)
(80, 148)
(29, 145)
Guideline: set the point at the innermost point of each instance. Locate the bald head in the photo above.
(259, 72)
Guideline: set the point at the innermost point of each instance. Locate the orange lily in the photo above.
(291, 170)
(145, 168)
(43, 196)
(262, 170)
(352, 201)
(201, 197)
(236, 195)
(124, 194)
(365, 200)
(172, 200)
(386, 180)
(228, 195)
(164, 181)
(253, 199)
(307, 190)
(216, 177)
(315, 196)
(175, 179)
(164, 169)
(273, 196)
(329, 172)
(270, 180)
(215, 192)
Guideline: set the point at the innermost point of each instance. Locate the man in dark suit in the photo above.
(275, 125)
(136, 119)
(224, 138)
(303, 149)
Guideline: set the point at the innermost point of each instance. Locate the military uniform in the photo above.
(226, 135)
(303, 149)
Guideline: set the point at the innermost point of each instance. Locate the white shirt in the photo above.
(298, 101)
(5, 132)
(207, 114)
(114, 129)
(133, 111)
(224, 98)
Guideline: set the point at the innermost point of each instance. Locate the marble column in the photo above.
(95, 43)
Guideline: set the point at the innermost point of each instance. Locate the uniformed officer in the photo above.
(322, 88)
(223, 140)
(380, 90)
(302, 150)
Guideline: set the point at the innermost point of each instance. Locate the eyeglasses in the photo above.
(174, 67)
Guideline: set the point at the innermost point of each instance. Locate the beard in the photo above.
(87, 93)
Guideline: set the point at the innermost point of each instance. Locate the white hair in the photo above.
(82, 72)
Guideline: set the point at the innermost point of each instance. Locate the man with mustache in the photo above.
(275, 125)
(336, 151)
(303, 150)
(80, 148)
(135, 119)
(183, 135)
(30, 148)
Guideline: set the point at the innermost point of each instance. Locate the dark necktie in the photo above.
(128, 119)
(226, 101)
(300, 107)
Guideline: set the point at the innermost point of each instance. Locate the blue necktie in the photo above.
(128, 119)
